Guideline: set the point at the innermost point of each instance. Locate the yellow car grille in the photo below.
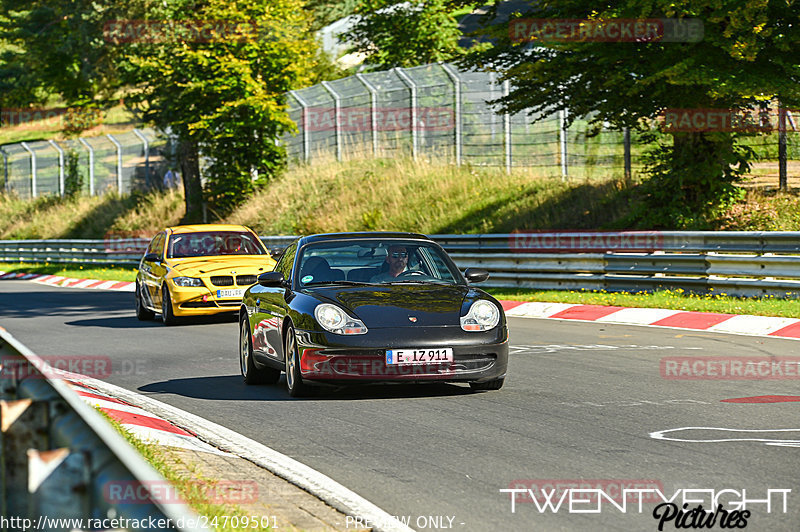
(246, 280)
(227, 280)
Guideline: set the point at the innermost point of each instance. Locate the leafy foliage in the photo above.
(57, 47)
(224, 96)
(747, 55)
(327, 11)
(73, 179)
(406, 34)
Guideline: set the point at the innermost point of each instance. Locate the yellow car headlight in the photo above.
(187, 281)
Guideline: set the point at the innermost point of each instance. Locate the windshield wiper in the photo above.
(419, 281)
(341, 281)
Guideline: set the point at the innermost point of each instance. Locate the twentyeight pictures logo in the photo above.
(682, 508)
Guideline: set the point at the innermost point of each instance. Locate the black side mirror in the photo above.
(476, 275)
(272, 280)
(152, 257)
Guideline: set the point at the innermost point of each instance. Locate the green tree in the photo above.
(223, 96)
(326, 11)
(57, 47)
(747, 55)
(405, 34)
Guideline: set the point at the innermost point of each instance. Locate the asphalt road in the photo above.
(580, 402)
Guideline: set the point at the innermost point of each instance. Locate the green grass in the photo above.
(385, 194)
(190, 488)
(676, 299)
(76, 271)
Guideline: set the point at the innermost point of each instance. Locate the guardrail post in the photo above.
(58, 483)
(453, 74)
(507, 130)
(55, 145)
(373, 109)
(412, 87)
(562, 131)
(33, 167)
(23, 424)
(91, 165)
(306, 135)
(144, 140)
(337, 106)
(119, 161)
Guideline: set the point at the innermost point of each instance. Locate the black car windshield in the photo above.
(209, 243)
(375, 262)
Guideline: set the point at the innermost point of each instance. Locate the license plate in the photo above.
(419, 356)
(235, 292)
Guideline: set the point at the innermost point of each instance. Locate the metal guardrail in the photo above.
(60, 458)
(741, 263)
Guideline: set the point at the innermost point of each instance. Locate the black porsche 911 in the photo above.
(347, 308)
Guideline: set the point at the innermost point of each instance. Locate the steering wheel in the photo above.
(410, 273)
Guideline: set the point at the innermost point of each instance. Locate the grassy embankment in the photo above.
(193, 488)
(401, 195)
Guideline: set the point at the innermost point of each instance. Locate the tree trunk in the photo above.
(190, 171)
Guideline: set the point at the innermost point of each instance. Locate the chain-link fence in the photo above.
(121, 162)
(439, 111)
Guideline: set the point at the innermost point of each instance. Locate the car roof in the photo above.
(362, 235)
(201, 228)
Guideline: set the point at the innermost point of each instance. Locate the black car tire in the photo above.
(142, 313)
(166, 308)
(250, 373)
(291, 357)
(495, 384)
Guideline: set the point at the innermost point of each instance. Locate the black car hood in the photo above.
(396, 305)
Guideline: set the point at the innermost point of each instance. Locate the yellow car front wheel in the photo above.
(167, 315)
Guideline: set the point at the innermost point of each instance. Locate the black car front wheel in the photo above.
(250, 373)
(495, 384)
(294, 380)
(142, 313)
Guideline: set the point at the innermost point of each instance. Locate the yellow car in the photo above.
(193, 270)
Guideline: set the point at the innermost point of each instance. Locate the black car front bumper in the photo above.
(331, 358)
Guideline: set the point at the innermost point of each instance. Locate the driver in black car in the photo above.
(397, 259)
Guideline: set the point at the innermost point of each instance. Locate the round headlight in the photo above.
(485, 313)
(335, 320)
(482, 316)
(329, 316)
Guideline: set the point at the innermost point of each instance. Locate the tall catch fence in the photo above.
(439, 111)
(120, 162)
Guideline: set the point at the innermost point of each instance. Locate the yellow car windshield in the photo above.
(213, 243)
